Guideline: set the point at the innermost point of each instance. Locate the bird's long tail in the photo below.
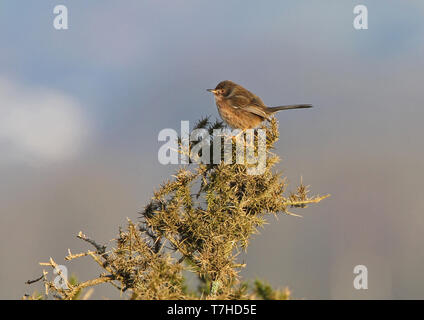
(292, 106)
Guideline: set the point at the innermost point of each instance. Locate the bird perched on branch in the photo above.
(241, 109)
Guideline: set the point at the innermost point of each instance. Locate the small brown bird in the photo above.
(241, 109)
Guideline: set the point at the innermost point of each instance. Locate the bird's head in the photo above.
(223, 88)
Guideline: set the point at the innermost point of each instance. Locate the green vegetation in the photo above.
(197, 222)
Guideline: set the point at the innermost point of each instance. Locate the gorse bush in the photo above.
(197, 222)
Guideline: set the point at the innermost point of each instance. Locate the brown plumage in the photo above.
(241, 109)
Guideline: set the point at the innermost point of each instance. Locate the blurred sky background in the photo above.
(81, 109)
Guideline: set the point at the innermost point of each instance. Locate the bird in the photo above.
(241, 109)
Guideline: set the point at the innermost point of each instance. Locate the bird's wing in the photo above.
(239, 100)
(252, 104)
(255, 109)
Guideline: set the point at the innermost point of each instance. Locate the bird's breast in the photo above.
(237, 118)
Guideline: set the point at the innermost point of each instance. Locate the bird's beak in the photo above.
(211, 90)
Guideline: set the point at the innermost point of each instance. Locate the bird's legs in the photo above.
(250, 143)
(238, 135)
